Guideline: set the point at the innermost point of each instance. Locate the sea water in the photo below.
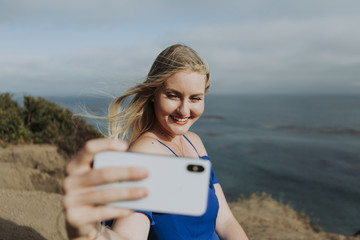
(303, 150)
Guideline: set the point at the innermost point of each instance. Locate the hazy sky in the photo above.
(270, 46)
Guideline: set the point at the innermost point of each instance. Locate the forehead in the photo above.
(186, 81)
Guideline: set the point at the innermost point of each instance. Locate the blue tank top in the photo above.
(181, 227)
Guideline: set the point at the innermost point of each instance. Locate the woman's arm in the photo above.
(84, 205)
(134, 227)
(226, 225)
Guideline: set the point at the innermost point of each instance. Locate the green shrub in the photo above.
(12, 128)
(46, 120)
(81, 131)
(41, 121)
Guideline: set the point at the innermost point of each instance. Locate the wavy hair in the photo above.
(129, 121)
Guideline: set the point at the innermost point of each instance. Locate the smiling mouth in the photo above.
(180, 121)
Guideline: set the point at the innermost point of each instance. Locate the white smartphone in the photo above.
(176, 185)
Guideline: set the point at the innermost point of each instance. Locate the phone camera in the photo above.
(195, 168)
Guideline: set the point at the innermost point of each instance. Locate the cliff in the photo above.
(30, 190)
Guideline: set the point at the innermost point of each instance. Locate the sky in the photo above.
(79, 47)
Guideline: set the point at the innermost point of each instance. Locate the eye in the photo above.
(171, 95)
(196, 99)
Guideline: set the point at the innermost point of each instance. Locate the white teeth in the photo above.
(180, 119)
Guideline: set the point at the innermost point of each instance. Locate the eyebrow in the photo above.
(177, 92)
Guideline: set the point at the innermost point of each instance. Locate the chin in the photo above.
(180, 129)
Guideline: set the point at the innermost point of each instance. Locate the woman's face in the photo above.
(180, 102)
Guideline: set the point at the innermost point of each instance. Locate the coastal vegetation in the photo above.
(40, 121)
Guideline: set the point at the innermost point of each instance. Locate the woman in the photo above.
(157, 121)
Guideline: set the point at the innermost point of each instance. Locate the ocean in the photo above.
(302, 150)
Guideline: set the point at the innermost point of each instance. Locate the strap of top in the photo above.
(192, 145)
(174, 152)
(167, 147)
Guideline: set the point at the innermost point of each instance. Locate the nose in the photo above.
(184, 108)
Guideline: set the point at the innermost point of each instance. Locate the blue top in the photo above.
(181, 227)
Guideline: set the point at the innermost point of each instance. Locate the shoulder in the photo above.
(197, 142)
(147, 144)
(144, 144)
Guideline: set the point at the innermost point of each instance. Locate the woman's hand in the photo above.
(84, 205)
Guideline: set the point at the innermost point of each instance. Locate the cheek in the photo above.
(165, 107)
(198, 109)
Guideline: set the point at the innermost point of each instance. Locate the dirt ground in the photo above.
(30, 200)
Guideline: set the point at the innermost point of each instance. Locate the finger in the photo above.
(104, 176)
(87, 214)
(82, 162)
(103, 196)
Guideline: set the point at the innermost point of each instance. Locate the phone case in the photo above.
(176, 185)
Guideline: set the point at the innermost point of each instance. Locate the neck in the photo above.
(164, 135)
(176, 142)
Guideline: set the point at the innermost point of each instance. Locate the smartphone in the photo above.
(176, 185)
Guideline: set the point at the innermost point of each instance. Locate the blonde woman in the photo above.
(157, 121)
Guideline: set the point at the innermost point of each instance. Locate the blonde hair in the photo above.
(129, 121)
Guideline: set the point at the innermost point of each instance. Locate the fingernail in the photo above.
(143, 172)
(143, 192)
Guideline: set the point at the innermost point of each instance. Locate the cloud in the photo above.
(300, 55)
(79, 11)
(84, 71)
(252, 46)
